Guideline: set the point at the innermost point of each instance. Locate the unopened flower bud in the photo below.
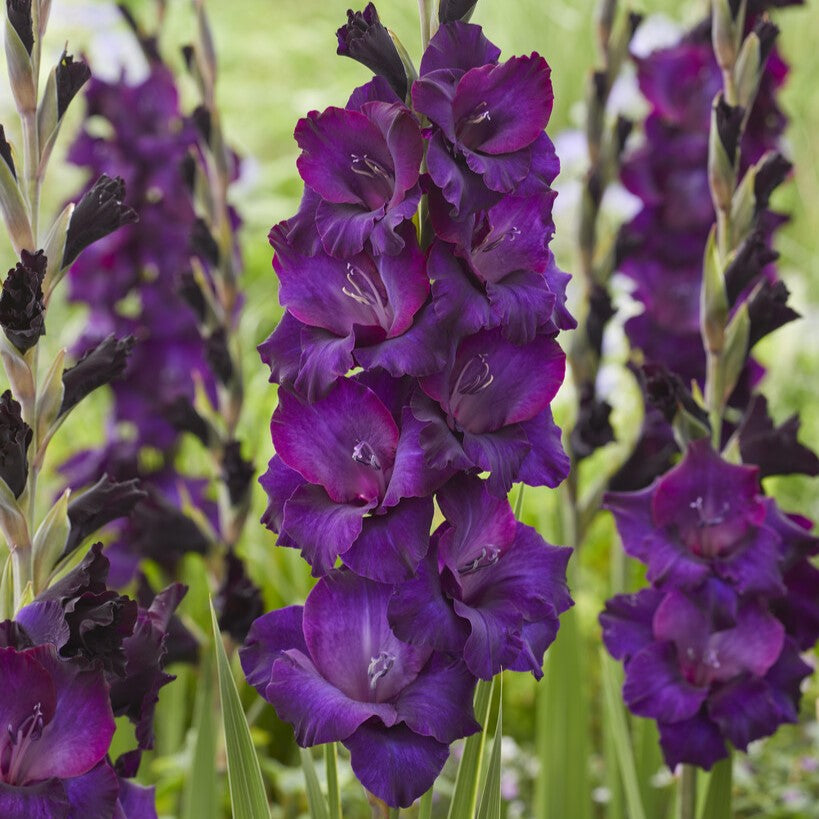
(71, 77)
(237, 473)
(450, 11)
(770, 174)
(99, 366)
(364, 39)
(22, 314)
(768, 310)
(19, 14)
(15, 437)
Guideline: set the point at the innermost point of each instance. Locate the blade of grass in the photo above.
(425, 806)
(465, 795)
(315, 798)
(616, 718)
(200, 796)
(718, 799)
(491, 796)
(331, 766)
(247, 793)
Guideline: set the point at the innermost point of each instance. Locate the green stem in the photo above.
(425, 807)
(331, 767)
(424, 12)
(688, 792)
(31, 162)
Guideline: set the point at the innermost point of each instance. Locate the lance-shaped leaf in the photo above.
(713, 298)
(21, 71)
(50, 398)
(735, 353)
(11, 201)
(49, 540)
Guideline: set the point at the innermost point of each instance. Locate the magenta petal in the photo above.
(500, 453)
(137, 801)
(501, 173)
(269, 636)
(44, 622)
(391, 545)
(655, 688)
(458, 46)
(79, 734)
(439, 702)
(281, 350)
(696, 741)
(320, 440)
(753, 645)
(433, 94)
(321, 528)
(745, 710)
(324, 359)
(518, 94)
(546, 464)
(632, 514)
(43, 800)
(279, 483)
(395, 764)
(521, 304)
(458, 297)
(26, 683)
(94, 795)
(344, 229)
(318, 711)
(441, 448)
(411, 476)
(755, 568)
(345, 627)
(627, 622)
(494, 635)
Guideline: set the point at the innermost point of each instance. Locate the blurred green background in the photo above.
(277, 61)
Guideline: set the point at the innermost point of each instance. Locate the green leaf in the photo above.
(331, 767)
(315, 798)
(14, 210)
(425, 805)
(621, 738)
(491, 797)
(7, 590)
(247, 793)
(55, 249)
(49, 541)
(718, 798)
(50, 398)
(200, 796)
(737, 337)
(465, 795)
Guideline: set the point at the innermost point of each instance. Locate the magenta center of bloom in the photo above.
(716, 531)
(16, 744)
(488, 556)
(368, 292)
(700, 666)
(475, 127)
(378, 668)
(380, 180)
(364, 454)
(475, 376)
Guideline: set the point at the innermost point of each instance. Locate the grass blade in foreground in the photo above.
(465, 796)
(315, 798)
(331, 765)
(620, 735)
(491, 797)
(718, 800)
(200, 796)
(247, 794)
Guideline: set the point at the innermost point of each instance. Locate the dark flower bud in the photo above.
(767, 33)
(202, 122)
(97, 618)
(192, 295)
(180, 644)
(160, 531)
(729, 126)
(150, 47)
(22, 314)
(218, 355)
(365, 40)
(753, 256)
(238, 601)
(203, 244)
(237, 473)
(653, 455)
(183, 417)
(600, 311)
(13, 635)
(70, 76)
(770, 175)
(450, 11)
(105, 501)
(135, 694)
(768, 310)
(99, 366)
(775, 450)
(5, 152)
(100, 212)
(622, 131)
(19, 12)
(592, 429)
(187, 55)
(187, 170)
(15, 438)
(666, 392)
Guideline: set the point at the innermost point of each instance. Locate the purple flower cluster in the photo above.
(75, 658)
(408, 362)
(711, 650)
(661, 249)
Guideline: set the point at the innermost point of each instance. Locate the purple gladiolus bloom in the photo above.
(347, 472)
(57, 727)
(335, 671)
(363, 167)
(707, 665)
(367, 310)
(489, 411)
(488, 116)
(490, 589)
(704, 517)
